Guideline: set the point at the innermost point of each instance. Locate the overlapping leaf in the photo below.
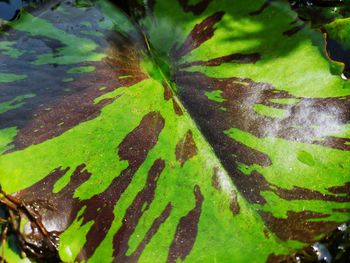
(191, 130)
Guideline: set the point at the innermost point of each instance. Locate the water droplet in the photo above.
(343, 227)
(322, 252)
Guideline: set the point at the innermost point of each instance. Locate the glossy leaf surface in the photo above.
(184, 131)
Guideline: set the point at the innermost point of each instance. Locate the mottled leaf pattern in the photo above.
(198, 131)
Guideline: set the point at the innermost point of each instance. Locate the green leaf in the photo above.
(193, 131)
(339, 30)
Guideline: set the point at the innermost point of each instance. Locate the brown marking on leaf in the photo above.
(235, 58)
(197, 8)
(266, 4)
(294, 30)
(134, 149)
(234, 205)
(297, 225)
(135, 211)
(186, 231)
(266, 233)
(168, 94)
(186, 148)
(341, 210)
(200, 33)
(250, 186)
(344, 189)
(151, 232)
(177, 108)
(335, 142)
(298, 193)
